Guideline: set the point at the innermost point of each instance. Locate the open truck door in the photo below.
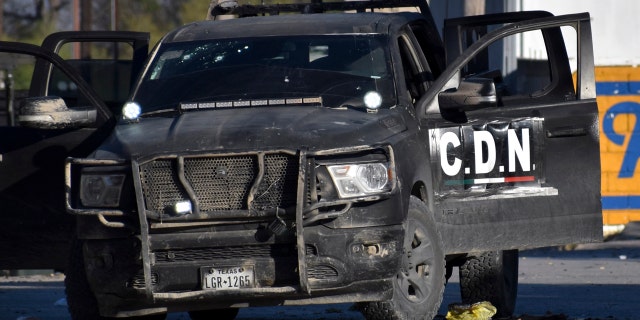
(70, 108)
(514, 148)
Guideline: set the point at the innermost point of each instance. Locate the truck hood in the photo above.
(313, 128)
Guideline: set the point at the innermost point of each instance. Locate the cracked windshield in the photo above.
(339, 70)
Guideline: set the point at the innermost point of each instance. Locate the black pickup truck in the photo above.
(282, 159)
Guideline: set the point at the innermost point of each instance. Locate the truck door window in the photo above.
(105, 66)
(412, 69)
(17, 70)
(17, 80)
(533, 72)
(431, 46)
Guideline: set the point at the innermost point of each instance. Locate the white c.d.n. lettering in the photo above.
(485, 155)
(484, 138)
(449, 138)
(520, 151)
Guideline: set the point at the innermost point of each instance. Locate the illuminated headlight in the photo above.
(372, 100)
(100, 190)
(131, 111)
(354, 180)
(182, 207)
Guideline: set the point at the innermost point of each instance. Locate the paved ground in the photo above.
(594, 281)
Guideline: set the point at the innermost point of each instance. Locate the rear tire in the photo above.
(491, 276)
(419, 284)
(215, 314)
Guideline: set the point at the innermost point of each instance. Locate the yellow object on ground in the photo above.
(478, 311)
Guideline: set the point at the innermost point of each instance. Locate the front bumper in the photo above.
(302, 250)
(340, 265)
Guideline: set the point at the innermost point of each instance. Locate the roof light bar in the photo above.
(309, 101)
(316, 7)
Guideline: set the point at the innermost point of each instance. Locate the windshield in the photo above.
(338, 69)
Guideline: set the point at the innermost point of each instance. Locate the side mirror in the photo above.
(471, 94)
(53, 113)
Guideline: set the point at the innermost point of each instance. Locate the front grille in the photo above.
(221, 183)
(311, 250)
(322, 272)
(138, 282)
(223, 253)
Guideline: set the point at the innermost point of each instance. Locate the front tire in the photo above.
(491, 276)
(81, 301)
(419, 284)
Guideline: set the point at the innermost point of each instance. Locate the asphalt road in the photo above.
(592, 281)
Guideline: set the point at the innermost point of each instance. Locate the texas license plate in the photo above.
(227, 278)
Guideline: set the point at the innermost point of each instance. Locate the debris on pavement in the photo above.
(483, 310)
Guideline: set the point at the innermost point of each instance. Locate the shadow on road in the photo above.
(592, 281)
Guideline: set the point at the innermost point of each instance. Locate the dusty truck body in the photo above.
(319, 158)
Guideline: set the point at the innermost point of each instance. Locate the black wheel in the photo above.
(491, 276)
(419, 285)
(81, 301)
(216, 314)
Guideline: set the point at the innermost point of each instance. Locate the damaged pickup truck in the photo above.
(330, 157)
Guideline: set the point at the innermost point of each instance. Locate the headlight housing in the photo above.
(361, 179)
(101, 190)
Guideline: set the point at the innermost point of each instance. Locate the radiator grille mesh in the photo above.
(221, 183)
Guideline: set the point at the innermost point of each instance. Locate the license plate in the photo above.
(227, 278)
